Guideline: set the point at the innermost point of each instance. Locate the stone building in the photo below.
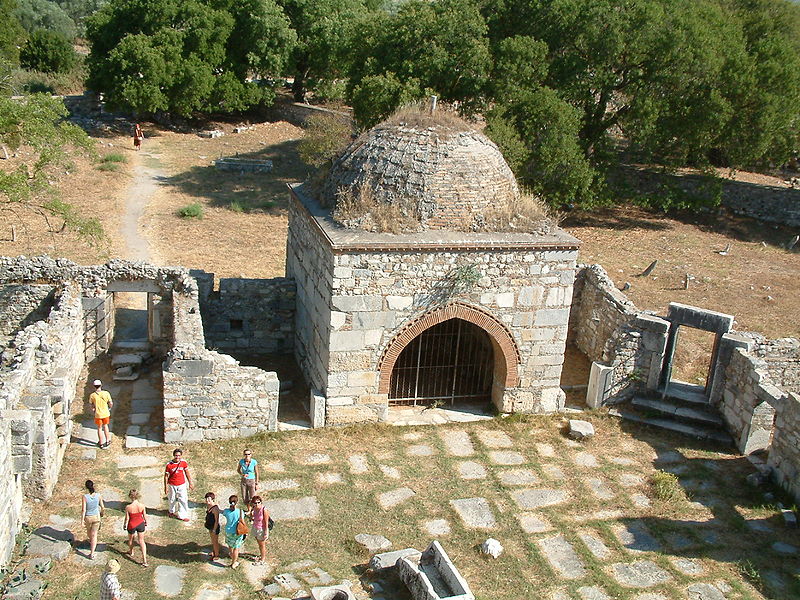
(446, 313)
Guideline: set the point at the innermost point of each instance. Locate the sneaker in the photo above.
(234, 565)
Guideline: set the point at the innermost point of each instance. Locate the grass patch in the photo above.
(108, 166)
(191, 211)
(114, 157)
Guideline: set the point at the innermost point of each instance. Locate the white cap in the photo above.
(97, 382)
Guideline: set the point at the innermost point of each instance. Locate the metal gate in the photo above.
(449, 362)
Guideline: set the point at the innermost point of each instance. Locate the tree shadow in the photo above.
(245, 192)
(730, 522)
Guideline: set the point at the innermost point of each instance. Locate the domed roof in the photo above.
(434, 168)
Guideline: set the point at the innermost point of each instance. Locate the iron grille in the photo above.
(449, 362)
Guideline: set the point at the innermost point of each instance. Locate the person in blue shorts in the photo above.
(232, 538)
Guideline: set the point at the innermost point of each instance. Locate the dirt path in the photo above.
(147, 175)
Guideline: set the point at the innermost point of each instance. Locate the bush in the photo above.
(31, 82)
(48, 52)
(191, 211)
(115, 157)
(326, 135)
(666, 487)
(108, 166)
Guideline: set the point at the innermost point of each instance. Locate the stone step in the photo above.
(686, 392)
(691, 412)
(132, 346)
(132, 359)
(695, 431)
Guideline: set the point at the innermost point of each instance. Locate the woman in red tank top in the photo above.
(135, 524)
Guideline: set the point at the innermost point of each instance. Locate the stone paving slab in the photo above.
(529, 499)
(592, 592)
(55, 542)
(640, 500)
(600, 489)
(492, 438)
(273, 485)
(545, 450)
(562, 557)
(506, 457)
(392, 498)
(457, 443)
(650, 596)
(437, 527)
(704, 591)
(553, 472)
(474, 512)
(533, 523)
(687, 566)
(212, 592)
(595, 545)
(168, 580)
(134, 461)
(152, 491)
(413, 436)
(420, 450)
(630, 480)
(586, 459)
(318, 458)
(636, 537)
(679, 541)
(329, 478)
(149, 472)
(521, 477)
(622, 461)
(316, 577)
(471, 470)
(389, 471)
(358, 464)
(599, 515)
(289, 510)
(256, 574)
(272, 466)
(639, 574)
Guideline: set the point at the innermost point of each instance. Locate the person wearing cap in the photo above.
(102, 403)
(110, 588)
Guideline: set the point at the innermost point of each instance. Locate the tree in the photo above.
(43, 14)
(79, 11)
(47, 51)
(37, 125)
(326, 31)
(151, 55)
(439, 47)
(11, 32)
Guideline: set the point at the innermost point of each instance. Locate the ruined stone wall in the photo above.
(21, 305)
(253, 315)
(784, 455)
(309, 262)
(765, 203)
(208, 395)
(606, 326)
(782, 358)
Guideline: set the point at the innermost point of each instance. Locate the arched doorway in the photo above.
(450, 362)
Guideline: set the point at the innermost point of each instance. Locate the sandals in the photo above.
(234, 565)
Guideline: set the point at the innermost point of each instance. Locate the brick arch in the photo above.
(506, 353)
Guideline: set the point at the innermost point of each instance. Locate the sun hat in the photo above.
(112, 566)
(97, 382)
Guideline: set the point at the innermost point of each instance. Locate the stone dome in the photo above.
(436, 168)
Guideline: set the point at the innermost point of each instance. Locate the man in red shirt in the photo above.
(176, 481)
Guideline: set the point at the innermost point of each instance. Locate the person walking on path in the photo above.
(110, 588)
(233, 538)
(260, 529)
(92, 509)
(176, 481)
(212, 524)
(248, 469)
(135, 524)
(102, 403)
(138, 136)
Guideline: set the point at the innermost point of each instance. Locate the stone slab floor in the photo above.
(578, 521)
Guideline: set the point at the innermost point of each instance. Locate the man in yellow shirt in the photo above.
(102, 403)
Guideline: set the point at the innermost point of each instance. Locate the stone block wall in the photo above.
(208, 395)
(782, 358)
(253, 315)
(784, 455)
(21, 305)
(309, 262)
(606, 326)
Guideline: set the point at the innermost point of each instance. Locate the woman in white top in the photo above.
(92, 509)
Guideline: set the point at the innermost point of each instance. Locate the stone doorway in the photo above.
(450, 362)
(682, 316)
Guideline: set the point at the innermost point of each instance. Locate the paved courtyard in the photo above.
(578, 521)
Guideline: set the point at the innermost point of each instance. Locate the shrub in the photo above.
(108, 166)
(48, 52)
(115, 157)
(325, 137)
(357, 208)
(666, 486)
(191, 211)
(31, 82)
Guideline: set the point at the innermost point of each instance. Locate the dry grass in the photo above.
(418, 115)
(357, 208)
(527, 213)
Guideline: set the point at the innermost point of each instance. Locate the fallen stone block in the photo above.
(30, 589)
(373, 543)
(789, 518)
(387, 560)
(50, 541)
(211, 133)
(433, 576)
(492, 547)
(580, 430)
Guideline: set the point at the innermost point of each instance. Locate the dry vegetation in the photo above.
(418, 115)
(357, 208)
(527, 213)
